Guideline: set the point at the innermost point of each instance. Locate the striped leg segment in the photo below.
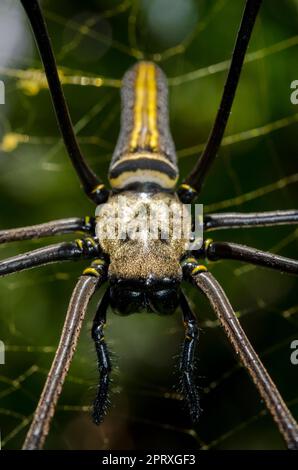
(187, 360)
(92, 186)
(84, 290)
(68, 251)
(227, 220)
(103, 360)
(206, 283)
(194, 182)
(215, 251)
(49, 229)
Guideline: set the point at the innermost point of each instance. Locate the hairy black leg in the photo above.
(67, 251)
(195, 180)
(92, 185)
(227, 220)
(205, 282)
(49, 229)
(225, 250)
(103, 359)
(187, 360)
(86, 286)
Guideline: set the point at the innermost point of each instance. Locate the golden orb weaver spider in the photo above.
(161, 174)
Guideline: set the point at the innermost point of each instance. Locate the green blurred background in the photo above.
(102, 38)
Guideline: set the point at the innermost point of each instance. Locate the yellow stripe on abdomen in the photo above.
(145, 131)
(145, 152)
(152, 107)
(140, 98)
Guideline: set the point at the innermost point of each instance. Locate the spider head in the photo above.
(145, 277)
(152, 294)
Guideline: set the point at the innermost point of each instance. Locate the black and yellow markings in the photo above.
(191, 266)
(141, 157)
(207, 244)
(198, 269)
(99, 187)
(82, 242)
(143, 167)
(186, 187)
(145, 132)
(95, 268)
(186, 193)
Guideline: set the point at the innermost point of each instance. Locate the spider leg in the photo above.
(92, 185)
(187, 358)
(84, 289)
(204, 281)
(79, 249)
(103, 359)
(194, 181)
(215, 251)
(254, 219)
(49, 229)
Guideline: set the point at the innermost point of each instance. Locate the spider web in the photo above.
(255, 171)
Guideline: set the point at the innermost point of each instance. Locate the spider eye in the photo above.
(164, 301)
(125, 302)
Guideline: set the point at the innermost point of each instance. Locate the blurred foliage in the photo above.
(102, 38)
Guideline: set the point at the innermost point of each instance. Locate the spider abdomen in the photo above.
(145, 153)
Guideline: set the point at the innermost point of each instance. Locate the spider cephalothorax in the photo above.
(144, 236)
(144, 265)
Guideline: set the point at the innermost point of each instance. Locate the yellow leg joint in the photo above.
(198, 269)
(187, 187)
(191, 259)
(91, 272)
(91, 240)
(207, 243)
(79, 242)
(98, 188)
(98, 262)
